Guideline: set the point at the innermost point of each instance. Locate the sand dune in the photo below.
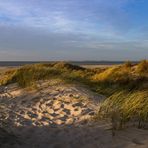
(49, 105)
(59, 115)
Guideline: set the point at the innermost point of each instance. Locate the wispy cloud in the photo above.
(65, 15)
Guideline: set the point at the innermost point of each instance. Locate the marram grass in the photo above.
(126, 86)
(130, 106)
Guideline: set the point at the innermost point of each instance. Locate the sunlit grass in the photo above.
(130, 106)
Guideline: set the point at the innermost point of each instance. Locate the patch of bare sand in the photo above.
(51, 105)
(99, 66)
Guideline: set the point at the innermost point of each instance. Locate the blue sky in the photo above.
(73, 29)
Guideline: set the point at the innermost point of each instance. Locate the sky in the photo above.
(42, 30)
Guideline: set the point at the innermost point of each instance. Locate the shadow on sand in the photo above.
(86, 136)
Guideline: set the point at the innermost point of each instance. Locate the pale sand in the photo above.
(98, 66)
(58, 115)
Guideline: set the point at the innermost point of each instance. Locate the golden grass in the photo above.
(130, 106)
(142, 67)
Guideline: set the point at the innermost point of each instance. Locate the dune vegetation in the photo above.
(126, 86)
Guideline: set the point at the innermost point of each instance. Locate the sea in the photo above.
(21, 63)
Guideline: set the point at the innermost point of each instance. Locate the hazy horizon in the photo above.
(73, 30)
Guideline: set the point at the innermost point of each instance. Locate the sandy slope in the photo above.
(59, 116)
(52, 105)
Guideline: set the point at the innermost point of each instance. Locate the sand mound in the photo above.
(49, 105)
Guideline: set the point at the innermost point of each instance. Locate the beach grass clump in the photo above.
(128, 64)
(117, 74)
(142, 67)
(113, 79)
(7, 77)
(29, 74)
(130, 107)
